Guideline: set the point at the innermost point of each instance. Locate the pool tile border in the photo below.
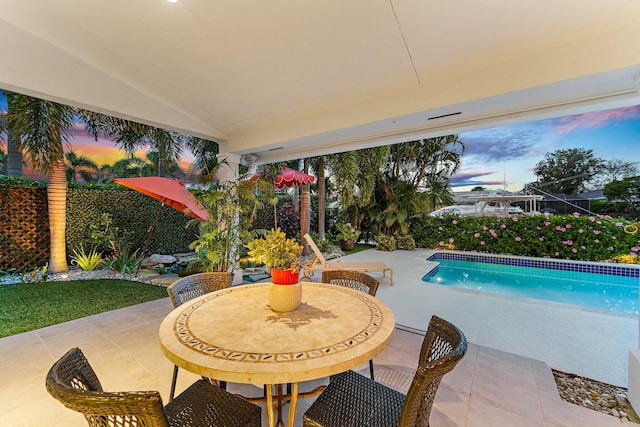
(582, 267)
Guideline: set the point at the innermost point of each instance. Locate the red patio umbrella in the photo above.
(169, 191)
(288, 178)
(293, 178)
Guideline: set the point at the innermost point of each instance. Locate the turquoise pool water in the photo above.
(598, 290)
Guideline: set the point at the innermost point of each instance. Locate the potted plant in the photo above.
(348, 235)
(281, 256)
(231, 207)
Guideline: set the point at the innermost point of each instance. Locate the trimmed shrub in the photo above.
(575, 237)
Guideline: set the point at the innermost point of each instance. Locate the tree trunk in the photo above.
(322, 194)
(305, 211)
(14, 156)
(57, 197)
(296, 200)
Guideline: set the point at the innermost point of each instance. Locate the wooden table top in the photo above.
(232, 334)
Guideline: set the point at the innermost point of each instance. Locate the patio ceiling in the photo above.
(286, 79)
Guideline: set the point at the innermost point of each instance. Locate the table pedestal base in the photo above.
(280, 398)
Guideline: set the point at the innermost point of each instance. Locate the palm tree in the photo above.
(358, 173)
(171, 167)
(79, 165)
(419, 161)
(132, 136)
(129, 167)
(42, 127)
(205, 162)
(318, 165)
(438, 193)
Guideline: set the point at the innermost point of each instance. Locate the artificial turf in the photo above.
(28, 306)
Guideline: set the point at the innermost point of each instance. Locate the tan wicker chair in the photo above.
(354, 280)
(190, 287)
(353, 400)
(196, 285)
(73, 382)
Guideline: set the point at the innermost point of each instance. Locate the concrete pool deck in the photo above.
(579, 340)
(488, 388)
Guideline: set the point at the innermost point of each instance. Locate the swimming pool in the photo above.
(602, 286)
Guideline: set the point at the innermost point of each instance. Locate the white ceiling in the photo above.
(285, 79)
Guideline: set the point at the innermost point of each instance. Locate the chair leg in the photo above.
(174, 379)
(371, 369)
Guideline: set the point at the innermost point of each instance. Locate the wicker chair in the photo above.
(190, 287)
(73, 382)
(196, 285)
(353, 400)
(354, 280)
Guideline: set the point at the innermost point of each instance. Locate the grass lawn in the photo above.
(28, 306)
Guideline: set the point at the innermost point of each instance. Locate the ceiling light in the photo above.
(172, 1)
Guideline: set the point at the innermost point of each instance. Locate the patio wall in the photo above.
(573, 339)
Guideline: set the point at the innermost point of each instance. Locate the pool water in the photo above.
(597, 290)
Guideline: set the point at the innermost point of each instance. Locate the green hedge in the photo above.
(132, 211)
(575, 237)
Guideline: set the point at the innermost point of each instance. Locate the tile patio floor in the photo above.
(488, 388)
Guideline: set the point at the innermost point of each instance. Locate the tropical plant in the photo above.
(132, 136)
(87, 261)
(42, 127)
(37, 275)
(124, 260)
(406, 242)
(347, 232)
(231, 207)
(205, 161)
(103, 233)
(79, 165)
(379, 187)
(385, 242)
(276, 251)
(325, 245)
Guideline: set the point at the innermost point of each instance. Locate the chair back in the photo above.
(443, 347)
(319, 257)
(72, 381)
(196, 285)
(351, 279)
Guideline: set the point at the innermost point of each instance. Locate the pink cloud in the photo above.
(595, 119)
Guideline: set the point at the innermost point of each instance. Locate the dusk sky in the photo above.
(513, 151)
(496, 158)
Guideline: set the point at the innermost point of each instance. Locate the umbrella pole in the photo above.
(147, 242)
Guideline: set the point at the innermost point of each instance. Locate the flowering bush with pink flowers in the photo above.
(576, 237)
(347, 232)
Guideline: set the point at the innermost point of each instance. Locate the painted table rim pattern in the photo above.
(233, 365)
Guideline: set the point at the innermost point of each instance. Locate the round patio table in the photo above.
(233, 335)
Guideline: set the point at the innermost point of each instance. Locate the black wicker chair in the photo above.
(354, 280)
(353, 400)
(72, 381)
(188, 288)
